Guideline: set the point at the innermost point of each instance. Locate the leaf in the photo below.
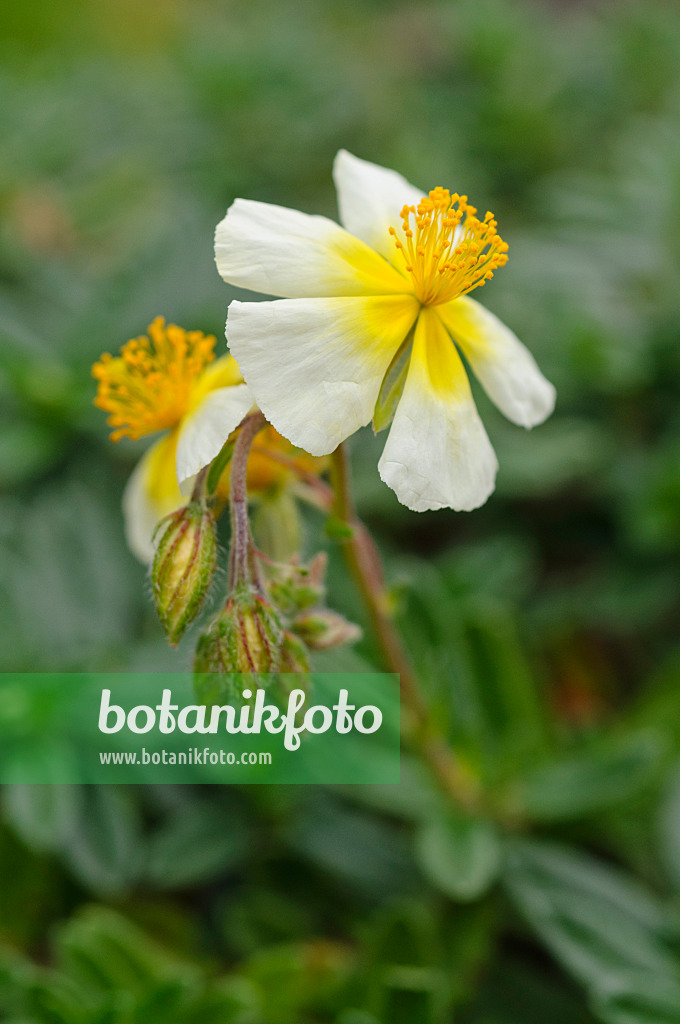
(357, 1017)
(634, 1001)
(563, 451)
(392, 387)
(219, 464)
(405, 979)
(41, 815)
(197, 842)
(471, 646)
(100, 950)
(104, 844)
(68, 543)
(414, 799)
(362, 850)
(460, 855)
(669, 828)
(595, 781)
(338, 529)
(604, 928)
(514, 992)
(291, 976)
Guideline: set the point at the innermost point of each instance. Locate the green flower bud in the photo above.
(245, 637)
(294, 655)
(183, 566)
(321, 629)
(293, 587)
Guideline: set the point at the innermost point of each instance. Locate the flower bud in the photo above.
(294, 655)
(245, 637)
(293, 587)
(321, 629)
(183, 566)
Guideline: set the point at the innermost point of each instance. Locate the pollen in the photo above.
(446, 247)
(148, 387)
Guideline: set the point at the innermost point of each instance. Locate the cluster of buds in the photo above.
(298, 591)
(246, 636)
(271, 627)
(183, 566)
(274, 614)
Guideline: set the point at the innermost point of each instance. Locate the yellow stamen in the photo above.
(148, 386)
(446, 248)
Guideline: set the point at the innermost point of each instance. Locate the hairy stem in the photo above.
(363, 560)
(242, 568)
(198, 489)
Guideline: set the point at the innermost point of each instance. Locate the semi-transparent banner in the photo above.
(153, 728)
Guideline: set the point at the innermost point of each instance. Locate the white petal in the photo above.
(437, 453)
(505, 368)
(150, 493)
(284, 252)
(315, 366)
(204, 431)
(370, 201)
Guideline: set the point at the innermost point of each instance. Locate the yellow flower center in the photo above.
(446, 248)
(149, 386)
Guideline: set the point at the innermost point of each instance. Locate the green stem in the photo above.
(198, 489)
(242, 567)
(364, 563)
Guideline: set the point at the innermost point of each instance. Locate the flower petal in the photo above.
(284, 252)
(437, 454)
(505, 368)
(151, 493)
(316, 365)
(203, 432)
(370, 201)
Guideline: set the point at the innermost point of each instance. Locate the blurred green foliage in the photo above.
(544, 625)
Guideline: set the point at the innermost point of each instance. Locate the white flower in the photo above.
(376, 312)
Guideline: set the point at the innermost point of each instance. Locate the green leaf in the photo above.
(362, 850)
(357, 1017)
(563, 451)
(337, 529)
(514, 992)
(277, 525)
(392, 387)
(198, 841)
(469, 644)
(101, 951)
(460, 855)
(595, 781)
(669, 829)
(41, 815)
(405, 978)
(68, 542)
(289, 979)
(636, 1002)
(416, 798)
(604, 928)
(104, 846)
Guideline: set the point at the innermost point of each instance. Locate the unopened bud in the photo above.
(245, 637)
(183, 566)
(294, 655)
(294, 587)
(321, 629)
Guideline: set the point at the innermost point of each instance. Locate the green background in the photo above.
(545, 625)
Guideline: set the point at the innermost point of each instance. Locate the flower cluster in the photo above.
(371, 323)
(170, 381)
